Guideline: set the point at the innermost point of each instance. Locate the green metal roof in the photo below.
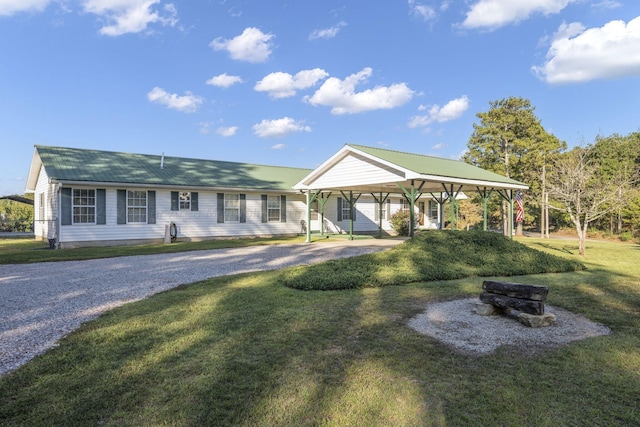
(75, 164)
(428, 165)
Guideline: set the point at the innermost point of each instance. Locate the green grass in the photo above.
(246, 350)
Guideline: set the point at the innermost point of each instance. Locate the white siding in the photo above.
(45, 227)
(356, 170)
(200, 224)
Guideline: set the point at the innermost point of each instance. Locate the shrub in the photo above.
(431, 255)
(400, 222)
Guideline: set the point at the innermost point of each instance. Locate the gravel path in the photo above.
(40, 303)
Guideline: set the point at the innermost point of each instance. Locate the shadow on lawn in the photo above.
(246, 350)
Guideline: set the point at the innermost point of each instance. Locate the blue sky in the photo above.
(290, 82)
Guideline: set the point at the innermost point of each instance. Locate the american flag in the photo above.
(520, 206)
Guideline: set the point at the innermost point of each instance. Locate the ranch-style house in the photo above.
(98, 198)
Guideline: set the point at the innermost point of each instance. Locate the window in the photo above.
(232, 208)
(136, 206)
(406, 206)
(386, 210)
(84, 206)
(346, 211)
(41, 206)
(273, 208)
(433, 211)
(185, 200)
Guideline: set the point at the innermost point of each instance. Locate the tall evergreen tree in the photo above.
(511, 141)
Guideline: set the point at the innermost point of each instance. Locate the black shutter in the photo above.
(283, 208)
(339, 208)
(194, 201)
(65, 206)
(175, 201)
(220, 207)
(243, 208)
(101, 206)
(151, 207)
(265, 217)
(122, 206)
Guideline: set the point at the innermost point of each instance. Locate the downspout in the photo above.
(58, 231)
(308, 240)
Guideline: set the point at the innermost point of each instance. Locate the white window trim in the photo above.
(269, 208)
(146, 207)
(231, 208)
(184, 205)
(74, 206)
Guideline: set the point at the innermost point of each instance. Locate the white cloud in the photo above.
(224, 80)
(579, 55)
(284, 85)
(425, 12)
(327, 33)
(227, 131)
(498, 13)
(188, 103)
(10, 7)
(451, 111)
(279, 127)
(252, 45)
(341, 96)
(438, 146)
(130, 16)
(277, 147)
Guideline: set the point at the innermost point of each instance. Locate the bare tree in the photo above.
(578, 186)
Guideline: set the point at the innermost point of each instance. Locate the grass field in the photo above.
(246, 350)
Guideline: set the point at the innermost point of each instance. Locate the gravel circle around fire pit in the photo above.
(42, 302)
(455, 324)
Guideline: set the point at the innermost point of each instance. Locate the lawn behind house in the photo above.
(247, 350)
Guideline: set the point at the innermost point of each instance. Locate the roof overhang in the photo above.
(396, 180)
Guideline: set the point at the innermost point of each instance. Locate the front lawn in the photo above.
(246, 350)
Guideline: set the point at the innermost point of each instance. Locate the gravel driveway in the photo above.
(40, 303)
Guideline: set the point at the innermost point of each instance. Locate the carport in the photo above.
(356, 170)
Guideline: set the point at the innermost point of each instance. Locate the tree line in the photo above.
(593, 186)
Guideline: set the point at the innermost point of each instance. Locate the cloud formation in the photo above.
(492, 14)
(188, 103)
(284, 85)
(327, 33)
(130, 16)
(227, 131)
(11, 7)
(279, 127)
(451, 111)
(423, 11)
(224, 80)
(578, 55)
(252, 45)
(342, 97)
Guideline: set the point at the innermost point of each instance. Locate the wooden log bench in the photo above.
(527, 300)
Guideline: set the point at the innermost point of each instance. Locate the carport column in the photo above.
(310, 199)
(485, 198)
(508, 196)
(352, 211)
(380, 202)
(321, 202)
(308, 239)
(412, 195)
(452, 201)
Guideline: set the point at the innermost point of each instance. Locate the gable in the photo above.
(356, 170)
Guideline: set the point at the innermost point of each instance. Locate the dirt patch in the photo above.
(455, 324)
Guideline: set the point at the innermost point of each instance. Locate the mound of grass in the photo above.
(432, 255)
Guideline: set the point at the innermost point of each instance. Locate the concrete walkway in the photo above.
(42, 302)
